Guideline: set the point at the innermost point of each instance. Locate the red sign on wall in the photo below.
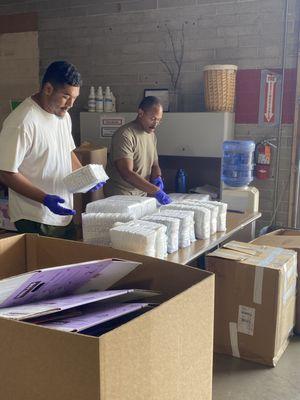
(269, 104)
(270, 92)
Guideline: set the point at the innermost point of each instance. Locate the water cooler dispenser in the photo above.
(237, 173)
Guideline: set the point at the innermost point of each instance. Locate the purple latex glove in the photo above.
(162, 197)
(52, 202)
(97, 187)
(158, 182)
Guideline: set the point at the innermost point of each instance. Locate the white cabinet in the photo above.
(179, 134)
(194, 134)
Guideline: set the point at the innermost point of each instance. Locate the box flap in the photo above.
(13, 252)
(250, 254)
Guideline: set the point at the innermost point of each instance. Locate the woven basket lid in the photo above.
(220, 67)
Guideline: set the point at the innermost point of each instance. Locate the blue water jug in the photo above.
(180, 182)
(237, 162)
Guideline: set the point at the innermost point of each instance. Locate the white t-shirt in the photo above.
(38, 145)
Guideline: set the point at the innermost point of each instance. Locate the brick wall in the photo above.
(120, 43)
(19, 59)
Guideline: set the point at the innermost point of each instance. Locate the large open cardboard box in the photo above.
(288, 239)
(161, 355)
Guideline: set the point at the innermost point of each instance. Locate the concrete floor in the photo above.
(236, 379)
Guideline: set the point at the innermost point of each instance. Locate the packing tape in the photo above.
(234, 339)
(292, 271)
(290, 292)
(259, 274)
(267, 261)
(258, 283)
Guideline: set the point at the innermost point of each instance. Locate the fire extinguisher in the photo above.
(263, 159)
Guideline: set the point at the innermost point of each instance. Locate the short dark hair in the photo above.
(61, 73)
(148, 102)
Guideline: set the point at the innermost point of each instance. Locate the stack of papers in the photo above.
(71, 297)
(94, 317)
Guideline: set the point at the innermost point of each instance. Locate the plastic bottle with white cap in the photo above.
(114, 106)
(107, 100)
(99, 100)
(92, 100)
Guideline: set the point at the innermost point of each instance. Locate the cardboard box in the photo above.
(254, 301)
(88, 153)
(288, 239)
(163, 354)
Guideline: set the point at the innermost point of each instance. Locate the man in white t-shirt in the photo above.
(36, 153)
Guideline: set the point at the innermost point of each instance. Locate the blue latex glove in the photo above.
(162, 197)
(158, 182)
(97, 187)
(52, 202)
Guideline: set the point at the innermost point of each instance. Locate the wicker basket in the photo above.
(219, 87)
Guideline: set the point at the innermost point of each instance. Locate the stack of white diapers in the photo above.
(96, 226)
(172, 225)
(144, 237)
(202, 217)
(222, 211)
(85, 178)
(218, 218)
(186, 225)
(135, 206)
(191, 196)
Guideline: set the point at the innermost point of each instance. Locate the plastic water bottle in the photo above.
(237, 162)
(107, 100)
(92, 100)
(114, 105)
(180, 182)
(99, 100)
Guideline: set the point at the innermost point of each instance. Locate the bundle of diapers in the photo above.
(148, 204)
(197, 196)
(192, 196)
(222, 212)
(186, 224)
(172, 225)
(85, 178)
(96, 226)
(144, 237)
(202, 217)
(177, 196)
(214, 209)
(136, 206)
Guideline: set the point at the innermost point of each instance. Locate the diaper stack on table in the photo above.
(144, 237)
(101, 216)
(172, 233)
(96, 226)
(85, 178)
(135, 223)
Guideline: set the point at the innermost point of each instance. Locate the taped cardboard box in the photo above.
(288, 239)
(164, 354)
(254, 300)
(88, 153)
